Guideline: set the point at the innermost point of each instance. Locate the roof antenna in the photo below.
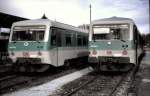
(44, 17)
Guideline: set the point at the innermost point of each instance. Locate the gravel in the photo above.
(100, 87)
(35, 79)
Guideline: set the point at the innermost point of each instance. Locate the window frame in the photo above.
(30, 26)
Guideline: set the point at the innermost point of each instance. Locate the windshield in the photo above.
(28, 33)
(107, 32)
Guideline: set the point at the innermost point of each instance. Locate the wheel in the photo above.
(67, 64)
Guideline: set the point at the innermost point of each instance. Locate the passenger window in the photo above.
(79, 40)
(68, 40)
(53, 37)
(84, 41)
(56, 37)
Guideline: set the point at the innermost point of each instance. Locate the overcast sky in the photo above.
(76, 12)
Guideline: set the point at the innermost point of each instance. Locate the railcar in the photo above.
(35, 45)
(115, 44)
(3, 49)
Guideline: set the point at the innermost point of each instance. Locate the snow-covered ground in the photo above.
(49, 87)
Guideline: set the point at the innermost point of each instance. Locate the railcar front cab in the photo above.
(113, 44)
(38, 44)
(24, 41)
(27, 45)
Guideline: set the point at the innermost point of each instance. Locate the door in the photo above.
(55, 46)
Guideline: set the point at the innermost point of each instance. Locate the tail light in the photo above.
(124, 52)
(109, 52)
(39, 53)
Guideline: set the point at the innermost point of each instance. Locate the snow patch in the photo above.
(49, 87)
(146, 80)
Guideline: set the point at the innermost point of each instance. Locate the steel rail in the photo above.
(7, 77)
(90, 81)
(78, 88)
(117, 85)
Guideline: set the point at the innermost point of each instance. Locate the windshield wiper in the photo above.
(14, 42)
(122, 40)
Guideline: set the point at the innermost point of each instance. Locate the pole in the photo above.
(90, 14)
(90, 26)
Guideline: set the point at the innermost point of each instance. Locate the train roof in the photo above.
(48, 22)
(112, 20)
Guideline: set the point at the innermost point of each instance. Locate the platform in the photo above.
(144, 86)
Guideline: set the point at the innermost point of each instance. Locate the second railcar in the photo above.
(115, 44)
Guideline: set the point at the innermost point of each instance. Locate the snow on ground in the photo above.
(146, 80)
(49, 87)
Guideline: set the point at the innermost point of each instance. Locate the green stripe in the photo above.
(70, 48)
(32, 46)
(43, 46)
(115, 45)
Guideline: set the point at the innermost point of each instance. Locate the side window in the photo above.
(53, 37)
(84, 41)
(79, 40)
(56, 37)
(68, 40)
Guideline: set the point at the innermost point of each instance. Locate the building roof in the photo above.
(6, 20)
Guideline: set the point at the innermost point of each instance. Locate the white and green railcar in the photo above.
(114, 44)
(34, 45)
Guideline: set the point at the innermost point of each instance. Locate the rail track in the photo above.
(8, 82)
(12, 82)
(7, 77)
(96, 85)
